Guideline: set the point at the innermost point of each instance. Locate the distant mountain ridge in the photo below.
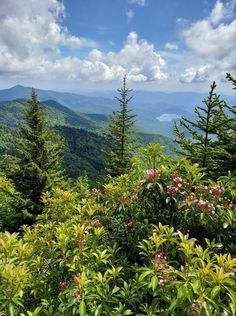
(147, 105)
(11, 112)
(81, 103)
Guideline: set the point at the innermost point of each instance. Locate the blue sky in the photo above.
(175, 45)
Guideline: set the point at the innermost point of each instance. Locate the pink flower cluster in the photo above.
(96, 192)
(217, 191)
(160, 261)
(202, 189)
(206, 206)
(152, 174)
(97, 223)
(133, 198)
(229, 204)
(171, 189)
(194, 308)
(178, 181)
(161, 265)
(64, 285)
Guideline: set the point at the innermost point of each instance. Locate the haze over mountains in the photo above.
(155, 111)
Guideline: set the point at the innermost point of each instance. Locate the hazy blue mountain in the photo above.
(74, 101)
(156, 111)
(11, 112)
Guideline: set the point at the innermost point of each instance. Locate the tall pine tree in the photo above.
(210, 140)
(39, 155)
(120, 135)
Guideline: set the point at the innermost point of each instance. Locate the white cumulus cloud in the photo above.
(31, 38)
(137, 59)
(192, 74)
(30, 33)
(212, 41)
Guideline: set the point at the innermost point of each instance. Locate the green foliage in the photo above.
(63, 268)
(12, 206)
(119, 153)
(82, 153)
(213, 141)
(39, 163)
(157, 240)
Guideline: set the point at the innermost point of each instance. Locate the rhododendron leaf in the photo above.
(154, 282)
(149, 185)
(225, 225)
(82, 308)
(116, 289)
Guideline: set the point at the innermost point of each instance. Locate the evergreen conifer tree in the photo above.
(227, 135)
(120, 134)
(210, 140)
(39, 155)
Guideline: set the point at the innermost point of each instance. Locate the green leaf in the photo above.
(116, 289)
(207, 309)
(149, 185)
(225, 225)
(128, 312)
(82, 308)
(215, 291)
(98, 310)
(154, 282)
(11, 309)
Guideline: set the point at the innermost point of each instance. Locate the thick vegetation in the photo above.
(156, 240)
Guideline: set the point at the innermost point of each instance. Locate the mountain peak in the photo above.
(18, 86)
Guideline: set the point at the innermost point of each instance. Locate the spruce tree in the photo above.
(210, 140)
(39, 155)
(227, 135)
(120, 135)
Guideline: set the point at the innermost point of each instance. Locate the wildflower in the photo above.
(152, 174)
(229, 204)
(194, 308)
(75, 294)
(97, 223)
(133, 198)
(178, 181)
(159, 261)
(141, 182)
(171, 190)
(64, 285)
(192, 195)
(206, 206)
(96, 192)
(77, 277)
(217, 191)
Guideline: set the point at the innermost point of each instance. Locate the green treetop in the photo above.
(120, 133)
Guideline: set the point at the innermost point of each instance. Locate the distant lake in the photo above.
(166, 117)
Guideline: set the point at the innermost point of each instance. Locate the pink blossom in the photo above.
(152, 174)
(206, 206)
(171, 190)
(217, 191)
(178, 181)
(134, 198)
(160, 260)
(96, 192)
(97, 223)
(194, 308)
(64, 285)
(229, 204)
